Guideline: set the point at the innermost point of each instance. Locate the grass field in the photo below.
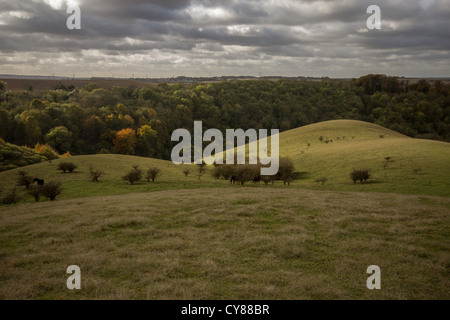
(228, 244)
(185, 238)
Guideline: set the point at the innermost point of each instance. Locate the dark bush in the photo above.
(24, 179)
(186, 172)
(134, 175)
(321, 180)
(11, 197)
(216, 173)
(51, 190)
(267, 179)
(225, 170)
(286, 170)
(95, 174)
(67, 167)
(359, 174)
(247, 172)
(201, 169)
(152, 173)
(35, 192)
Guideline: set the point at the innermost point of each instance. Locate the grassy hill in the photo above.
(357, 144)
(78, 184)
(181, 238)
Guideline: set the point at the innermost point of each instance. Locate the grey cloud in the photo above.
(289, 36)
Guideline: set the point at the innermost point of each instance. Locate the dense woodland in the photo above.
(140, 121)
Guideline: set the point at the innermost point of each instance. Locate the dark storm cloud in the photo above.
(287, 36)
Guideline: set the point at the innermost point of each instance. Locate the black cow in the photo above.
(234, 179)
(257, 179)
(39, 181)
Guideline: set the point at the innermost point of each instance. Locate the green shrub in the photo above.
(134, 175)
(35, 192)
(51, 190)
(11, 197)
(321, 180)
(95, 174)
(67, 166)
(152, 173)
(24, 179)
(360, 174)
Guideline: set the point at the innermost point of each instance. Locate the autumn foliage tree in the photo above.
(146, 140)
(125, 141)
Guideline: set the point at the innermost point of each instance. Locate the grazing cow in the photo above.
(39, 181)
(234, 179)
(257, 179)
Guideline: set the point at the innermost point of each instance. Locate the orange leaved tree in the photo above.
(125, 141)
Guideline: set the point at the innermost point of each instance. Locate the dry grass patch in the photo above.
(232, 243)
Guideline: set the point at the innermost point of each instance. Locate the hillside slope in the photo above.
(359, 146)
(415, 166)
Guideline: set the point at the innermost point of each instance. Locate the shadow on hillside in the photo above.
(301, 175)
(371, 182)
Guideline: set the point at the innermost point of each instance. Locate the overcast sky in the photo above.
(165, 38)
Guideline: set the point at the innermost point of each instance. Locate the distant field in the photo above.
(48, 84)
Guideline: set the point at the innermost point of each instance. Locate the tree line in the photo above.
(139, 121)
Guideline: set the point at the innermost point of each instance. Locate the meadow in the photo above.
(228, 244)
(189, 238)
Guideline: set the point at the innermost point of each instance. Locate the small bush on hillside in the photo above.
(359, 174)
(35, 192)
(11, 197)
(24, 179)
(152, 173)
(95, 174)
(186, 172)
(268, 179)
(286, 170)
(247, 172)
(201, 169)
(321, 180)
(225, 170)
(67, 167)
(134, 175)
(51, 190)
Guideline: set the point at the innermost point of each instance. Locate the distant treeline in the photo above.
(140, 120)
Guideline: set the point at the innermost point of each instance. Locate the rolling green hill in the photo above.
(357, 144)
(78, 184)
(181, 238)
